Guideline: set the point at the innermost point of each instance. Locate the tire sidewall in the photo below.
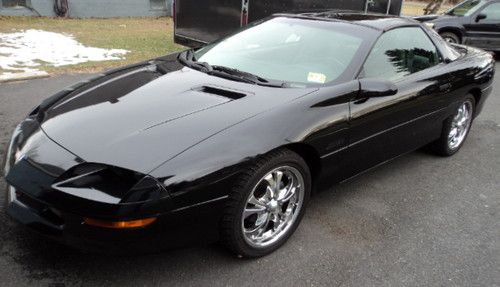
(288, 159)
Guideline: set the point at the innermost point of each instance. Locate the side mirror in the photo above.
(373, 88)
(480, 17)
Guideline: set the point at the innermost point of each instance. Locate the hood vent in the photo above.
(222, 92)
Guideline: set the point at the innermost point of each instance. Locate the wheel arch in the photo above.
(476, 93)
(455, 30)
(310, 156)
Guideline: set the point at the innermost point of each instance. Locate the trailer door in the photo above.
(203, 21)
(392, 7)
(263, 8)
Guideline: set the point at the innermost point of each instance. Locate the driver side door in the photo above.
(485, 32)
(384, 127)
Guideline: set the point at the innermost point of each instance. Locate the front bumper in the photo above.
(32, 164)
(186, 227)
(27, 216)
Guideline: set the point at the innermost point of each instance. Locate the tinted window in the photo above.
(465, 8)
(492, 12)
(401, 52)
(448, 51)
(291, 50)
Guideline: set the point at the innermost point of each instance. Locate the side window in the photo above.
(400, 52)
(492, 12)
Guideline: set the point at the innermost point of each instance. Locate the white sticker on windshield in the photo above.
(316, 77)
(292, 38)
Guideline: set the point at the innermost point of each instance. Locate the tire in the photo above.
(444, 146)
(451, 37)
(252, 196)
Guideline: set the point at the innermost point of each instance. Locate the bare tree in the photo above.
(433, 7)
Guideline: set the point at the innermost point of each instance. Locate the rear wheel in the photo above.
(456, 129)
(267, 204)
(450, 37)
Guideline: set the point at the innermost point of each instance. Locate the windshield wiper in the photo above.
(188, 59)
(247, 76)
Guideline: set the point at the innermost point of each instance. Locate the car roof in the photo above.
(379, 22)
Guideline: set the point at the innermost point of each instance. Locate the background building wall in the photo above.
(43, 7)
(95, 8)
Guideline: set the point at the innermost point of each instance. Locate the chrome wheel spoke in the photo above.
(270, 180)
(274, 183)
(288, 195)
(258, 229)
(278, 175)
(256, 202)
(453, 133)
(253, 210)
(269, 194)
(462, 121)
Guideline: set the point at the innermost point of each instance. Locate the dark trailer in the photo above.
(198, 22)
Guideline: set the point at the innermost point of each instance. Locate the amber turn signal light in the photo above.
(120, 224)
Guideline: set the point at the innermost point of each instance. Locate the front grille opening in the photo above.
(43, 210)
(222, 92)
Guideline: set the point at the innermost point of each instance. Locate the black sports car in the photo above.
(229, 141)
(472, 22)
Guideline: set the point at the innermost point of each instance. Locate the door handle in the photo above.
(445, 87)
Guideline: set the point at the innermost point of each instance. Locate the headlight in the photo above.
(109, 184)
(18, 155)
(12, 155)
(430, 25)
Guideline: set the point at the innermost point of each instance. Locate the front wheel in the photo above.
(450, 37)
(267, 204)
(456, 129)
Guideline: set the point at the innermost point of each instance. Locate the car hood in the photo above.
(141, 119)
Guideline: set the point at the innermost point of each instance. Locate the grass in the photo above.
(145, 38)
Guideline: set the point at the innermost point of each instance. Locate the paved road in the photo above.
(420, 220)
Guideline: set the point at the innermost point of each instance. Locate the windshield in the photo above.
(465, 8)
(288, 50)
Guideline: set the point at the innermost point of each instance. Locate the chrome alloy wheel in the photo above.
(273, 206)
(460, 125)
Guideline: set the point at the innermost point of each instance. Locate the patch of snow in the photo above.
(26, 50)
(9, 77)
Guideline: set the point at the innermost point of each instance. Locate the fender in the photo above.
(318, 120)
(451, 27)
